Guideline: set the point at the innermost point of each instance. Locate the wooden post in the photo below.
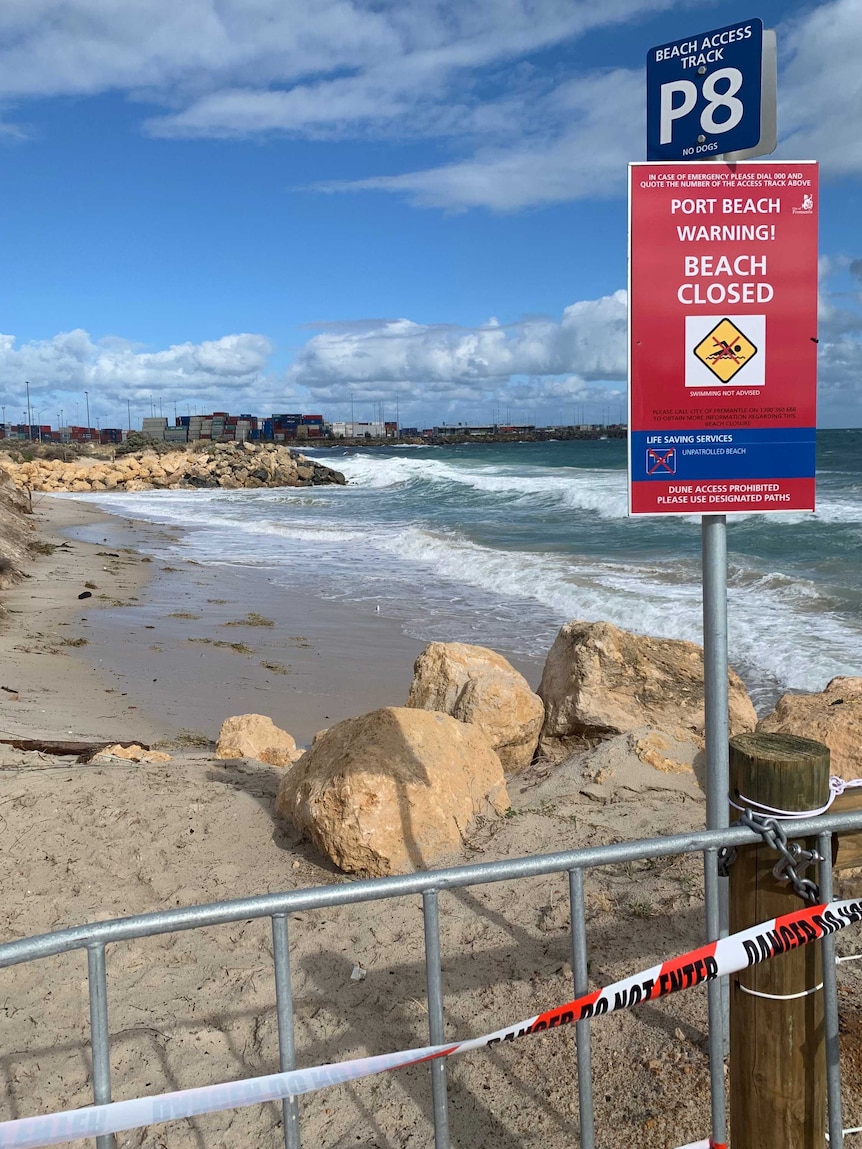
(777, 1052)
(847, 848)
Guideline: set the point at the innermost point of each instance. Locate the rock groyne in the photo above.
(227, 465)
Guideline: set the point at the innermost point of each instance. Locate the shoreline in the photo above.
(369, 542)
(170, 648)
(47, 629)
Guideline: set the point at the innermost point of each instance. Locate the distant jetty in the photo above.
(456, 436)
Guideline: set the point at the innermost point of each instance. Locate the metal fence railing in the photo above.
(95, 936)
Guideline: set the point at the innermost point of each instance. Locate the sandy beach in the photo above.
(86, 842)
(160, 649)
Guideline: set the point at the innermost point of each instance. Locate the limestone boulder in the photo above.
(393, 791)
(256, 736)
(479, 686)
(833, 717)
(599, 681)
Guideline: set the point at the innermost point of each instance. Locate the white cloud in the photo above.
(419, 73)
(60, 47)
(438, 366)
(358, 68)
(581, 356)
(839, 296)
(233, 368)
(436, 371)
(82, 46)
(821, 88)
(839, 354)
(840, 383)
(593, 126)
(341, 68)
(398, 355)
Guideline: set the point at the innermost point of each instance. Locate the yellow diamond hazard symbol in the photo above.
(725, 350)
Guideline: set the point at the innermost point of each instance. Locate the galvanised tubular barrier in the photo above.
(284, 1010)
(436, 1025)
(830, 1003)
(95, 936)
(580, 977)
(97, 980)
(715, 1004)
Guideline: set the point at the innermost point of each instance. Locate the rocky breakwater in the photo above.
(227, 465)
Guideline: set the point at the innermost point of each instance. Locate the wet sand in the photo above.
(49, 660)
(169, 647)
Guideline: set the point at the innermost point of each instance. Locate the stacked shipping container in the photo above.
(220, 425)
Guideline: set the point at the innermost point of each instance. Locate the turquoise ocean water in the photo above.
(499, 544)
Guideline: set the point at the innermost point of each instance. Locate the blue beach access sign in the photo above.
(704, 93)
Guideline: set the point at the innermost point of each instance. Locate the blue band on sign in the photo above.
(739, 453)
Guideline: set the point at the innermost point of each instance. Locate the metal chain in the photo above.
(794, 858)
(726, 858)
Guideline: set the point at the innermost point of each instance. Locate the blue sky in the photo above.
(259, 205)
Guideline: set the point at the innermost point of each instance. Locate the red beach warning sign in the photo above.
(722, 337)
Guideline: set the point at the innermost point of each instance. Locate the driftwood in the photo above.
(82, 750)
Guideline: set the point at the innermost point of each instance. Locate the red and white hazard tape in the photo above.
(731, 954)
